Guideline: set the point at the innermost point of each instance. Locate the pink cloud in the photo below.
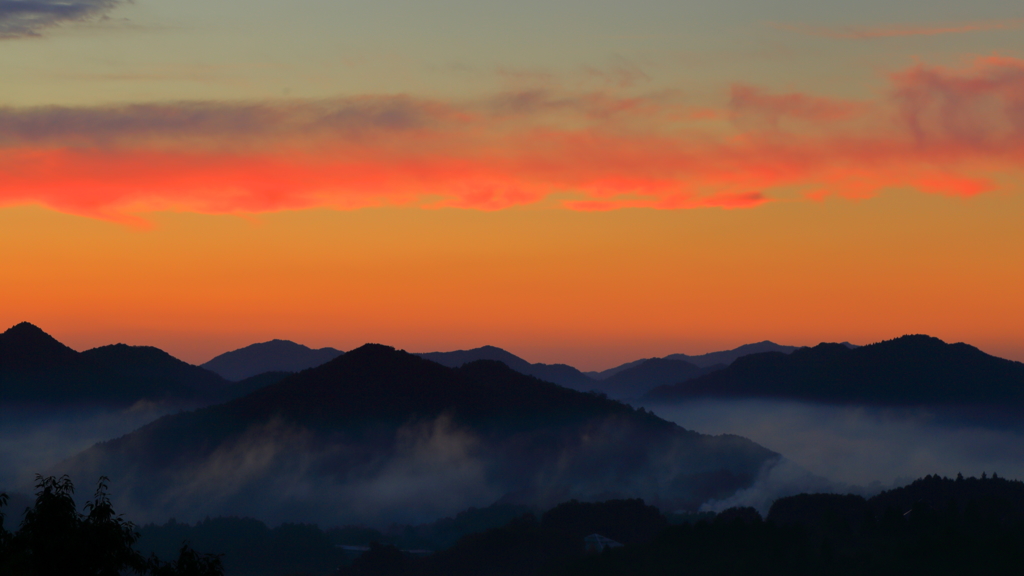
(939, 130)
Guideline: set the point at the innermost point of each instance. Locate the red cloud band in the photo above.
(939, 130)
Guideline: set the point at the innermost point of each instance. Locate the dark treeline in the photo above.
(934, 526)
(249, 547)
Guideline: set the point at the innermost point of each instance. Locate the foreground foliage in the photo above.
(54, 538)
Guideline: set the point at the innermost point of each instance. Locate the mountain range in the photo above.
(905, 371)
(709, 360)
(36, 368)
(627, 381)
(379, 433)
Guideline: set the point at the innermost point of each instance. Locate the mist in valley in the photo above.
(34, 440)
(429, 469)
(857, 449)
(435, 468)
(279, 472)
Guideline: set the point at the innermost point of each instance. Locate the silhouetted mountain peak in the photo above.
(459, 357)
(560, 374)
(26, 347)
(25, 329)
(372, 365)
(374, 358)
(29, 334)
(151, 372)
(916, 338)
(822, 349)
(918, 341)
(128, 352)
(729, 356)
(489, 348)
(373, 353)
(272, 356)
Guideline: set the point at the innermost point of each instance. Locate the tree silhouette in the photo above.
(55, 539)
(5, 536)
(189, 563)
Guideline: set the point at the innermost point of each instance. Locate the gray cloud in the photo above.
(351, 118)
(20, 18)
(241, 124)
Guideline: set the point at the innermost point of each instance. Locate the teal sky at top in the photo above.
(159, 50)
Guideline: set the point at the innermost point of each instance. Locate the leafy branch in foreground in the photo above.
(56, 539)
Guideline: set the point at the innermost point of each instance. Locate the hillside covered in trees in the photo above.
(387, 436)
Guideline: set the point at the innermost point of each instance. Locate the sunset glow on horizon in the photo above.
(201, 178)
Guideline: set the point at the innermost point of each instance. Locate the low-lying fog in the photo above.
(870, 449)
(856, 449)
(32, 441)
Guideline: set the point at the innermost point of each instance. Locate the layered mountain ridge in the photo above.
(561, 374)
(627, 381)
(452, 437)
(905, 371)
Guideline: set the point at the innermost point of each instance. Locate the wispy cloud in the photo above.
(751, 104)
(941, 130)
(862, 33)
(20, 18)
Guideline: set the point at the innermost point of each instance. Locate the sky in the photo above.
(580, 182)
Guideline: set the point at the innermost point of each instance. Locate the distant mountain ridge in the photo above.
(642, 377)
(36, 367)
(709, 360)
(627, 381)
(561, 374)
(727, 357)
(273, 356)
(910, 370)
(365, 426)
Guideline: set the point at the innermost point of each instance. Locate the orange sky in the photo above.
(586, 183)
(590, 289)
